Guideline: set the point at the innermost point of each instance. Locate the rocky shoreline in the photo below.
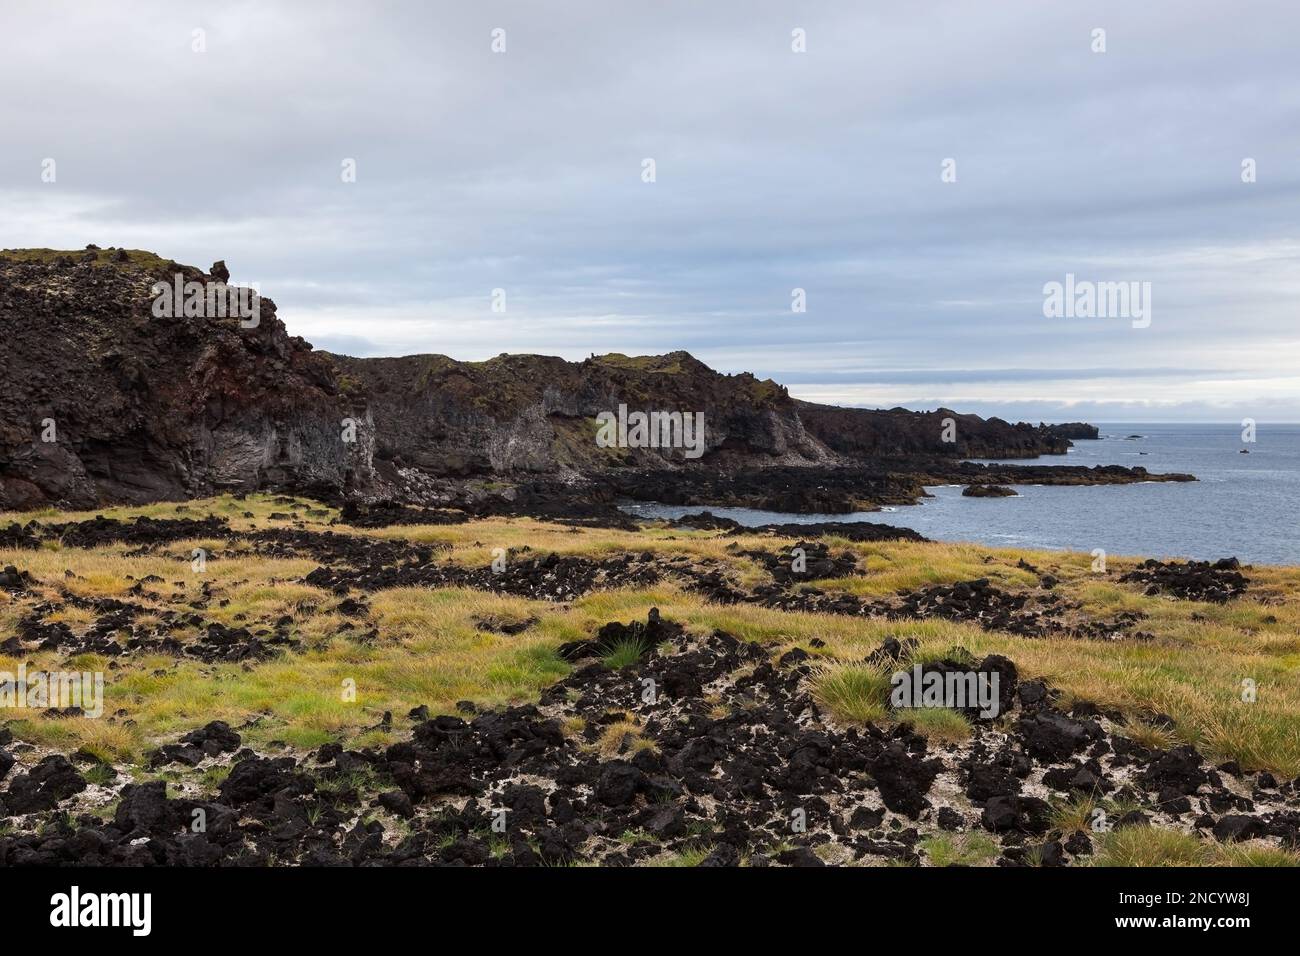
(660, 745)
(642, 740)
(106, 403)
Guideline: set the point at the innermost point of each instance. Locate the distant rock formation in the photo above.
(1074, 431)
(989, 491)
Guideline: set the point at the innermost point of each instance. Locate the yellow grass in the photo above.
(1150, 846)
(428, 651)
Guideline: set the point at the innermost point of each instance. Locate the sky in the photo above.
(824, 169)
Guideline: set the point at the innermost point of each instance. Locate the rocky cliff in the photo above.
(102, 399)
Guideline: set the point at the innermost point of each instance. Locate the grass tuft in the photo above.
(852, 692)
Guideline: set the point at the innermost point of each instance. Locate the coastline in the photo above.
(293, 604)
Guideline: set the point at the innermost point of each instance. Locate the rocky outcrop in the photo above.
(522, 414)
(1216, 582)
(1074, 431)
(104, 400)
(861, 433)
(988, 491)
(851, 487)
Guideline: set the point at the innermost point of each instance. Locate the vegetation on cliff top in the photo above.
(115, 258)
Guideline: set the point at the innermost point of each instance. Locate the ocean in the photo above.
(1247, 506)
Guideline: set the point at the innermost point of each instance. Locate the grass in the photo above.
(852, 692)
(1149, 735)
(960, 849)
(103, 257)
(937, 725)
(428, 650)
(692, 856)
(622, 737)
(859, 693)
(1077, 815)
(1149, 846)
(625, 653)
(100, 774)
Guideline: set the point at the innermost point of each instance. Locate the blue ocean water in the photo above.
(1247, 506)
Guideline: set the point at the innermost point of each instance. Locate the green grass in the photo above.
(960, 849)
(428, 650)
(936, 724)
(100, 773)
(692, 856)
(624, 653)
(104, 257)
(852, 692)
(1148, 846)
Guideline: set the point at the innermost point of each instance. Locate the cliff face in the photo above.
(103, 401)
(146, 407)
(539, 414)
(535, 413)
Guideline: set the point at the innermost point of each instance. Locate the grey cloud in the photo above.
(775, 170)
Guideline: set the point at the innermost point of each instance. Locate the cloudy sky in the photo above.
(774, 170)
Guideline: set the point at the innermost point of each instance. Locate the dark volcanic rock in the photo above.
(20, 536)
(50, 781)
(977, 602)
(257, 778)
(1217, 581)
(848, 486)
(1075, 431)
(805, 561)
(384, 514)
(1012, 813)
(1180, 769)
(989, 491)
(99, 531)
(729, 756)
(214, 738)
(644, 637)
(1053, 737)
(1236, 827)
(15, 581)
(551, 577)
(903, 780)
(145, 407)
